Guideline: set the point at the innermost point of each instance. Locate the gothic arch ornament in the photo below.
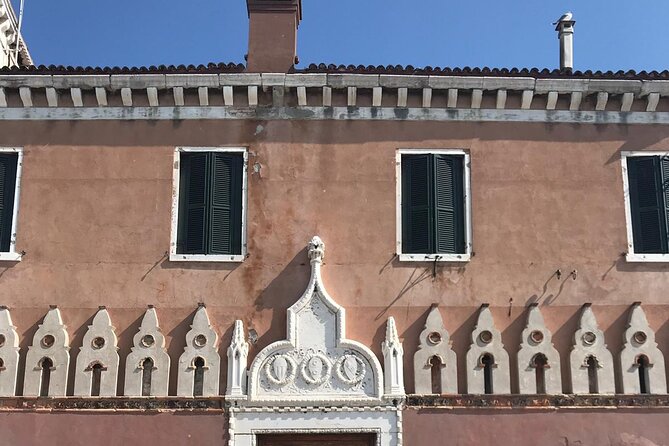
(316, 380)
(9, 354)
(537, 340)
(51, 342)
(487, 341)
(639, 340)
(301, 367)
(148, 343)
(237, 361)
(589, 345)
(435, 341)
(100, 346)
(201, 342)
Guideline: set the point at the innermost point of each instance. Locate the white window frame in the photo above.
(632, 256)
(466, 256)
(12, 255)
(174, 256)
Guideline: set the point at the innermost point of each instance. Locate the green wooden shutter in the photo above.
(647, 204)
(417, 209)
(193, 206)
(664, 193)
(7, 187)
(225, 218)
(449, 206)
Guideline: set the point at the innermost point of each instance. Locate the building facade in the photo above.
(261, 255)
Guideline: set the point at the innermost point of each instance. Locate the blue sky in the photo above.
(610, 34)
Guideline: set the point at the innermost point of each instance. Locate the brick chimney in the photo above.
(273, 35)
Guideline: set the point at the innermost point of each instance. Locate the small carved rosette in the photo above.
(350, 369)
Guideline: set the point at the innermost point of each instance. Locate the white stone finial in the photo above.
(96, 373)
(48, 358)
(590, 361)
(487, 360)
(9, 354)
(200, 363)
(435, 342)
(538, 360)
(393, 353)
(237, 361)
(316, 249)
(148, 351)
(641, 361)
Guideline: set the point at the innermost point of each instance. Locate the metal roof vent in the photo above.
(565, 28)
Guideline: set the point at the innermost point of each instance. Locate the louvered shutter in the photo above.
(225, 219)
(417, 209)
(647, 204)
(664, 193)
(193, 207)
(7, 187)
(449, 208)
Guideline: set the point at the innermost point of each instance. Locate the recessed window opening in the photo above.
(2, 365)
(540, 364)
(46, 365)
(210, 203)
(488, 362)
(96, 378)
(644, 383)
(198, 376)
(437, 365)
(593, 383)
(8, 179)
(648, 178)
(433, 204)
(147, 371)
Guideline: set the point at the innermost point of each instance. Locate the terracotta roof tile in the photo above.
(354, 69)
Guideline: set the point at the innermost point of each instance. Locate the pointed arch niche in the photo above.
(97, 362)
(590, 361)
(337, 383)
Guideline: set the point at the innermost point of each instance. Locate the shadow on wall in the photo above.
(282, 292)
(203, 133)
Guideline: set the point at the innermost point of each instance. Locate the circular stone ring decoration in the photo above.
(589, 338)
(350, 369)
(280, 370)
(316, 369)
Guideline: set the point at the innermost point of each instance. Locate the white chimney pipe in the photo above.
(565, 28)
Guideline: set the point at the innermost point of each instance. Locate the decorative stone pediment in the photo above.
(48, 358)
(9, 354)
(316, 363)
(200, 357)
(640, 358)
(147, 367)
(590, 361)
(486, 352)
(538, 360)
(435, 342)
(98, 354)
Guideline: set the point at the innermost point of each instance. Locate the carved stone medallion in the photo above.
(316, 369)
(350, 369)
(280, 370)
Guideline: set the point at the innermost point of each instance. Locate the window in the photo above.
(10, 174)
(208, 212)
(434, 209)
(646, 181)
